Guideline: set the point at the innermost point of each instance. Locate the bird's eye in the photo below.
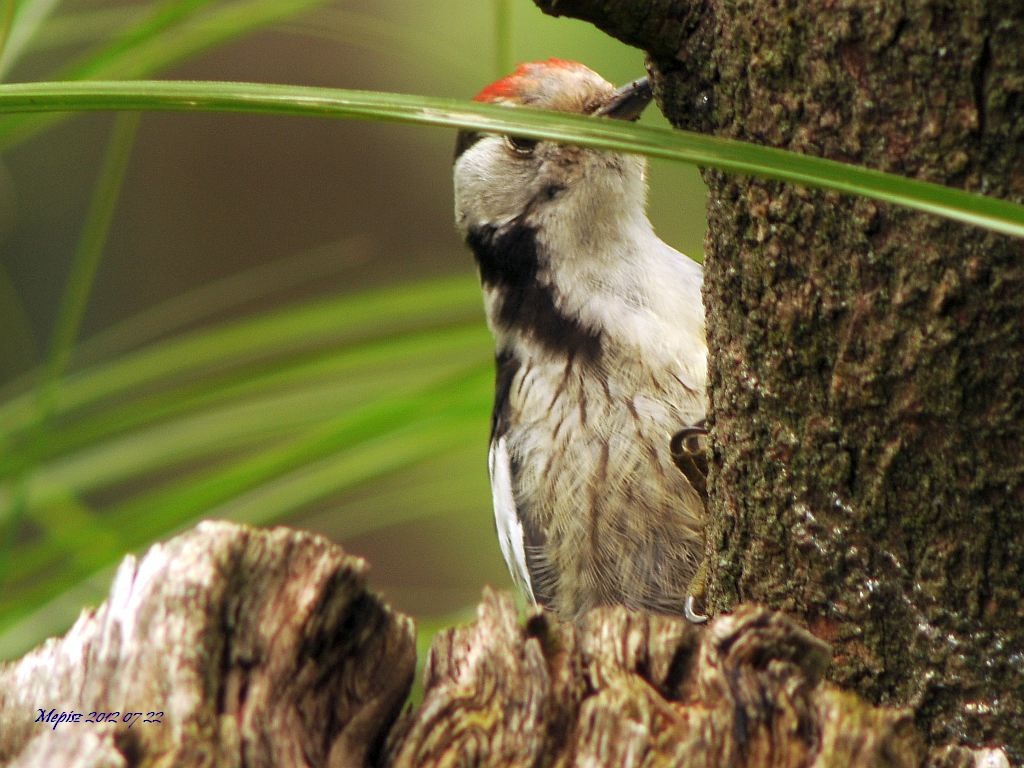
(521, 145)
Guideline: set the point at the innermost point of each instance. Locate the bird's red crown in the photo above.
(512, 87)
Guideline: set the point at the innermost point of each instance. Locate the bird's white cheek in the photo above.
(490, 187)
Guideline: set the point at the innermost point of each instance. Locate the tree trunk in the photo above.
(866, 361)
(229, 646)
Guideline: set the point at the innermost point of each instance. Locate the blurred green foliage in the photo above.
(268, 321)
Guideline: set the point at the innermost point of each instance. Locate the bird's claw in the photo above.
(691, 614)
(695, 595)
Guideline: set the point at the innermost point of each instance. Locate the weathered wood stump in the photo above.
(247, 647)
(252, 647)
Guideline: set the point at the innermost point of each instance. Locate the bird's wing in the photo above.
(506, 517)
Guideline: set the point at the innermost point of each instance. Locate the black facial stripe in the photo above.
(508, 258)
(509, 261)
(464, 140)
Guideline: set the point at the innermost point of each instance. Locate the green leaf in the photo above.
(708, 151)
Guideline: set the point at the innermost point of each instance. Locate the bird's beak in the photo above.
(628, 101)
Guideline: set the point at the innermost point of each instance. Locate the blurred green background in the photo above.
(270, 320)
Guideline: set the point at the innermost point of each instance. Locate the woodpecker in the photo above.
(601, 358)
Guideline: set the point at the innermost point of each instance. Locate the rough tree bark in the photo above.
(242, 647)
(866, 361)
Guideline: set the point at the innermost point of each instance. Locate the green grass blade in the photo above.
(349, 319)
(84, 264)
(222, 295)
(87, 255)
(374, 458)
(86, 27)
(428, 421)
(159, 45)
(19, 347)
(423, 421)
(156, 22)
(27, 17)
(254, 409)
(6, 21)
(52, 614)
(56, 604)
(160, 433)
(350, 376)
(248, 440)
(708, 151)
(202, 303)
(226, 294)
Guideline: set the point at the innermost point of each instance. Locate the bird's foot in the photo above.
(695, 595)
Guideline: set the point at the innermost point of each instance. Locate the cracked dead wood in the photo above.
(265, 648)
(626, 689)
(865, 361)
(242, 647)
